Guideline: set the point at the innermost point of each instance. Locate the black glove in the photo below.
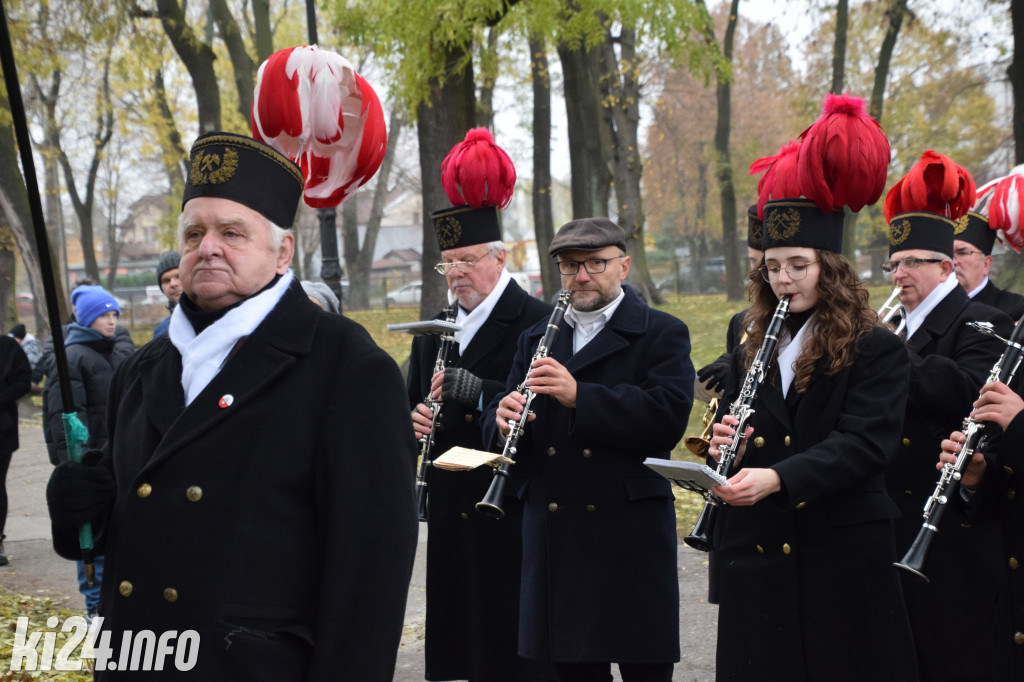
(79, 493)
(461, 385)
(717, 375)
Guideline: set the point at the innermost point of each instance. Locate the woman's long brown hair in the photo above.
(842, 317)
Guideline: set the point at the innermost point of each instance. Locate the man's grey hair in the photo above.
(277, 233)
(495, 247)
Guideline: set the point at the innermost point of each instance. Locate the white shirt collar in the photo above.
(917, 317)
(977, 289)
(587, 325)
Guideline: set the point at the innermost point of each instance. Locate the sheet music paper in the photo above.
(466, 459)
(689, 475)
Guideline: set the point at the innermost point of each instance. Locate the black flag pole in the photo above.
(74, 431)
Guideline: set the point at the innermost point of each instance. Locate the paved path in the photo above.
(36, 570)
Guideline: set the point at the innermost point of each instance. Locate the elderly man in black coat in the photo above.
(473, 563)
(948, 365)
(972, 260)
(255, 502)
(599, 536)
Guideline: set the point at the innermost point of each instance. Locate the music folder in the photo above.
(689, 475)
(426, 327)
(466, 459)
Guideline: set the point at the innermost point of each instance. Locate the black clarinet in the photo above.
(975, 440)
(742, 409)
(427, 441)
(490, 505)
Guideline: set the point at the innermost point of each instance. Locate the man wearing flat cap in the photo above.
(253, 492)
(973, 240)
(599, 580)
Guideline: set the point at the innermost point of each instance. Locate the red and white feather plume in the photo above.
(312, 106)
(934, 184)
(478, 173)
(1004, 200)
(780, 176)
(844, 156)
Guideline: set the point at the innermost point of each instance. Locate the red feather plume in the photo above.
(478, 173)
(935, 184)
(844, 156)
(780, 176)
(1005, 202)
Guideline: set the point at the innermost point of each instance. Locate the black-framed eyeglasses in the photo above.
(907, 264)
(462, 265)
(593, 266)
(796, 271)
(964, 253)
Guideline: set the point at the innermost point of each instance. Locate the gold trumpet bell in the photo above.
(699, 445)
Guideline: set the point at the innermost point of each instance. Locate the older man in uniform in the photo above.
(255, 490)
(599, 535)
(948, 365)
(973, 239)
(473, 563)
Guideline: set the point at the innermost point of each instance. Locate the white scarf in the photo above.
(203, 356)
(917, 316)
(789, 353)
(473, 320)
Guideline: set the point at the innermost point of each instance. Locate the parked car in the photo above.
(408, 293)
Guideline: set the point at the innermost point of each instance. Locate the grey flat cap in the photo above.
(588, 234)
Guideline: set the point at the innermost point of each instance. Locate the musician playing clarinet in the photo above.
(473, 563)
(948, 365)
(805, 546)
(599, 581)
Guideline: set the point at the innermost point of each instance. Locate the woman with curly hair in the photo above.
(805, 548)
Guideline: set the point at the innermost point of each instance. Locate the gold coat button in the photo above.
(759, 442)
(469, 419)
(1008, 470)
(587, 453)
(1018, 638)
(787, 440)
(125, 588)
(1010, 493)
(801, 505)
(464, 515)
(760, 549)
(591, 507)
(194, 493)
(170, 594)
(906, 441)
(552, 507)
(909, 492)
(144, 490)
(786, 549)
(551, 451)
(1014, 564)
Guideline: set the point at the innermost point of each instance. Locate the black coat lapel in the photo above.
(938, 322)
(630, 318)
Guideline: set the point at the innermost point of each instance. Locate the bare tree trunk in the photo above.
(839, 51)
(175, 156)
(264, 33)
(197, 56)
(543, 220)
(620, 85)
(441, 123)
(242, 65)
(894, 16)
(488, 76)
(359, 261)
(7, 265)
(591, 178)
(1015, 72)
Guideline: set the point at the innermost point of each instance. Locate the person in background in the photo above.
(15, 381)
(92, 356)
(170, 284)
(321, 294)
(29, 344)
(973, 238)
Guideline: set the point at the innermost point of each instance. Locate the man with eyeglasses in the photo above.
(599, 580)
(473, 563)
(948, 365)
(972, 261)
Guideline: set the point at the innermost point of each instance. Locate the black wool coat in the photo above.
(1010, 303)
(473, 562)
(805, 576)
(599, 537)
(15, 375)
(949, 362)
(275, 515)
